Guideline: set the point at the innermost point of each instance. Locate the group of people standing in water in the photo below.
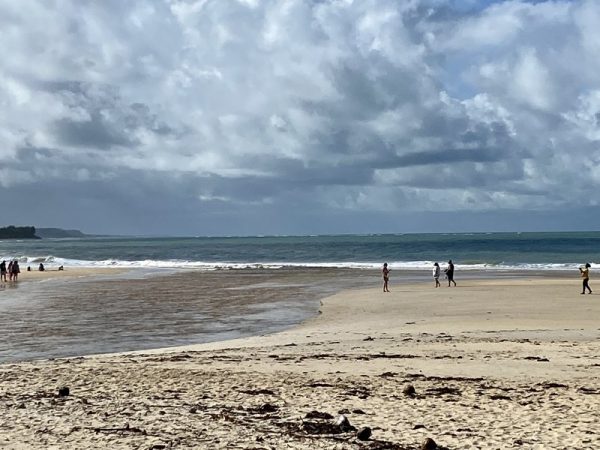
(12, 269)
(449, 271)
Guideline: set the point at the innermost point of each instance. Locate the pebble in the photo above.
(364, 434)
(63, 391)
(429, 444)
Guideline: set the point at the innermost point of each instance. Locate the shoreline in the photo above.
(493, 363)
(406, 279)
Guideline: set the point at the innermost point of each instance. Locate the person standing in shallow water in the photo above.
(585, 274)
(436, 274)
(3, 271)
(15, 270)
(450, 273)
(386, 277)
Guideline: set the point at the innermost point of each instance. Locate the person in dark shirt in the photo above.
(3, 271)
(450, 273)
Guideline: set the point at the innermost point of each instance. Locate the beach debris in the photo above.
(368, 338)
(318, 384)
(124, 429)
(360, 392)
(63, 391)
(388, 374)
(409, 390)
(358, 411)
(586, 390)
(258, 392)
(429, 444)
(180, 357)
(549, 384)
(318, 415)
(537, 358)
(444, 390)
(265, 408)
(364, 434)
(343, 411)
(418, 426)
(337, 426)
(321, 428)
(193, 410)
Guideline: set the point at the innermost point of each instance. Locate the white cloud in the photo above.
(372, 105)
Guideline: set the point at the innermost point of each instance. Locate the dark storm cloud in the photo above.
(95, 132)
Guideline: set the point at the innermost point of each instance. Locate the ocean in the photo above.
(520, 251)
(176, 291)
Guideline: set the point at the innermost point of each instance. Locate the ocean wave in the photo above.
(53, 261)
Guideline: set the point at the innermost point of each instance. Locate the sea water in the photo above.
(177, 291)
(522, 251)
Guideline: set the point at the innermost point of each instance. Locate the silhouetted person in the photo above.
(41, 268)
(61, 268)
(450, 273)
(15, 270)
(386, 277)
(3, 271)
(585, 274)
(10, 272)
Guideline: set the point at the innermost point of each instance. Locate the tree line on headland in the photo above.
(12, 232)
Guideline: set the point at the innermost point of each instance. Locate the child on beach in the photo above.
(436, 274)
(585, 274)
(386, 277)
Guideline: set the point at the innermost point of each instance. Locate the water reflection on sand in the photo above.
(76, 317)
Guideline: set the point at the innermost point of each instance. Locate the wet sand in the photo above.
(495, 364)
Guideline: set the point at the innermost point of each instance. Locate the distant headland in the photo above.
(12, 232)
(47, 233)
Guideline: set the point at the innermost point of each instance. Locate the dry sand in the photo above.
(495, 364)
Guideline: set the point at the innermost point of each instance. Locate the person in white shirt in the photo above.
(436, 274)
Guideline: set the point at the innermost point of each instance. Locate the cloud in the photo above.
(247, 109)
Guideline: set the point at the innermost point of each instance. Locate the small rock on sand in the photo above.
(409, 390)
(429, 444)
(63, 391)
(364, 434)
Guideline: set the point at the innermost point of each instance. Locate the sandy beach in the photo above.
(494, 364)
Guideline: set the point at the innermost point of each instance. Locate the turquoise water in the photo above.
(473, 250)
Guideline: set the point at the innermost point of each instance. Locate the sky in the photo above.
(245, 117)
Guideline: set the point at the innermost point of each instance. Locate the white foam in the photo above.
(51, 261)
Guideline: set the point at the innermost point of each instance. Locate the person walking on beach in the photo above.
(450, 273)
(3, 271)
(585, 274)
(436, 274)
(386, 277)
(10, 273)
